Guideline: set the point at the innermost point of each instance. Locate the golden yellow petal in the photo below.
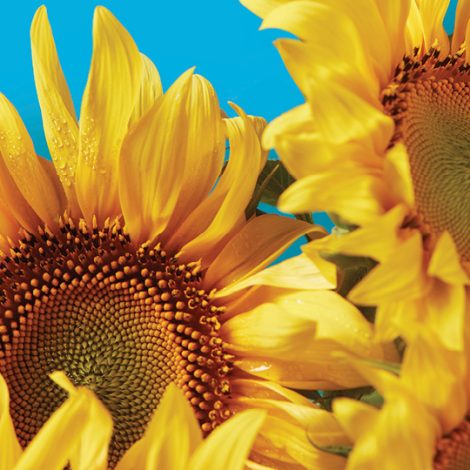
(467, 42)
(397, 173)
(58, 112)
(298, 272)
(308, 63)
(171, 437)
(462, 16)
(252, 389)
(152, 157)
(444, 311)
(229, 445)
(108, 102)
(39, 187)
(295, 338)
(395, 15)
(254, 247)
(222, 211)
(334, 119)
(399, 277)
(355, 195)
(379, 240)
(414, 33)
(445, 262)
(78, 431)
(344, 42)
(327, 269)
(305, 154)
(395, 318)
(150, 90)
(9, 226)
(205, 150)
(10, 448)
(382, 435)
(289, 444)
(296, 120)
(356, 418)
(432, 13)
(436, 375)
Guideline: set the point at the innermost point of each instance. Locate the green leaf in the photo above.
(341, 451)
(374, 398)
(279, 181)
(263, 180)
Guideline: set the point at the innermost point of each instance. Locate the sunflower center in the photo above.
(453, 450)
(124, 321)
(430, 103)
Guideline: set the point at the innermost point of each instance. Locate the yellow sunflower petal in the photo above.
(394, 15)
(445, 262)
(42, 192)
(11, 449)
(305, 154)
(467, 42)
(289, 444)
(445, 313)
(437, 376)
(341, 115)
(327, 269)
(414, 33)
(9, 226)
(150, 89)
(309, 63)
(397, 172)
(298, 272)
(433, 12)
(399, 277)
(462, 16)
(205, 148)
(356, 418)
(149, 191)
(108, 102)
(171, 437)
(79, 431)
(356, 196)
(298, 119)
(378, 240)
(58, 112)
(255, 246)
(225, 207)
(295, 339)
(344, 43)
(229, 445)
(380, 434)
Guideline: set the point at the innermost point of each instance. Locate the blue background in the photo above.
(220, 37)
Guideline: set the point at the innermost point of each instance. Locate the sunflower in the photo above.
(424, 423)
(128, 264)
(383, 142)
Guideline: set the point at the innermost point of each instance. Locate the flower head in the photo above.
(383, 142)
(129, 264)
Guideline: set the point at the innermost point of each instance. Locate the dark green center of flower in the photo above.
(453, 450)
(430, 102)
(121, 320)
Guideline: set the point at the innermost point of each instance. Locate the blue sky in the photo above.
(220, 37)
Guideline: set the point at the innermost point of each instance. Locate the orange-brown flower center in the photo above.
(453, 450)
(124, 321)
(429, 100)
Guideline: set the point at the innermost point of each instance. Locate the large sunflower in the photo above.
(424, 423)
(129, 264)
(383, 141)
